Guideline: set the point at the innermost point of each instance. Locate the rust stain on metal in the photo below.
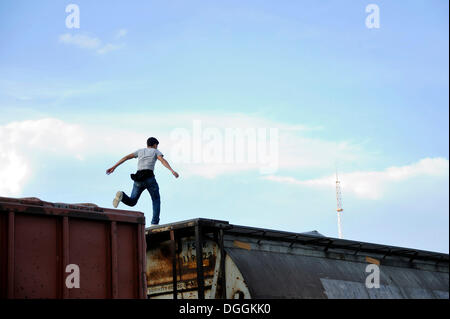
(193, 264)
(159, 265)
(372, 261)
(240, 244)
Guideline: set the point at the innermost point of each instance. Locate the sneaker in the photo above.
(117, 199)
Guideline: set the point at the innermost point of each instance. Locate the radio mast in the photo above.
(339, 205)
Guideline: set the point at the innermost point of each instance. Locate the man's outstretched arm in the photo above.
(166, 164)
(123, 159)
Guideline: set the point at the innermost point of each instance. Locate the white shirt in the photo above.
(147, 158)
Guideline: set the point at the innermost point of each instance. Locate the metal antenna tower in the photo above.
(339, 205)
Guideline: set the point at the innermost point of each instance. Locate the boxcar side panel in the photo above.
(37, 257)
(90, 251)
(127, 262)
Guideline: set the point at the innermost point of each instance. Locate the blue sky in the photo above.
(375, 101)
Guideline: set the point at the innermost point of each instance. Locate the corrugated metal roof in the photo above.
(271, 275)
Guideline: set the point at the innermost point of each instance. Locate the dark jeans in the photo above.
(138, 187)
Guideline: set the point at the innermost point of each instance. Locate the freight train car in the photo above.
(204, 258)
(57, 250)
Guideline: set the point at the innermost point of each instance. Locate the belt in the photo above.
(142, 175)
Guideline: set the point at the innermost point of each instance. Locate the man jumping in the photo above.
(144, 177)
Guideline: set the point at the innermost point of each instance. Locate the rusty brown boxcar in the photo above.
(42, 244)
(204, 258)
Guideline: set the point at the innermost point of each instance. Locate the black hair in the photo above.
(152, 141)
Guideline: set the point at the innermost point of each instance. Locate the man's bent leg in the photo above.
(153, 189)
(138, 188)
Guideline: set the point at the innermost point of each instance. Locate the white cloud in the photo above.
(81, 41)
(22, 142)
(14, 172)
(117, 136)
(112, 137)
(46, 134)
(91, 43)
(373, 184)
(109, 47)
(19, 142)
(295, 151)
(121, 33)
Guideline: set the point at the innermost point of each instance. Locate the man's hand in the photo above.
(125, 158)
(166, 164)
